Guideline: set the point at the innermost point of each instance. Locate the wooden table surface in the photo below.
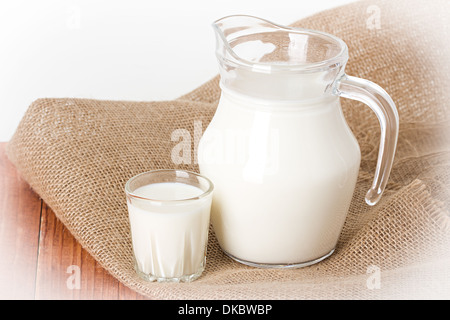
(39, 258)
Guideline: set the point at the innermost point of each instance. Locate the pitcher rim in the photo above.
(338, 60)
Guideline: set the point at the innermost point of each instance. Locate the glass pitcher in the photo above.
(281, 156)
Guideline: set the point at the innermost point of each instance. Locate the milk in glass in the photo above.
(169, 239)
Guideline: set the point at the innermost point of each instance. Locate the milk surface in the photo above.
(284, 175)
(169, 240)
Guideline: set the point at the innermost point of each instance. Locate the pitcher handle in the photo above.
(381, 103)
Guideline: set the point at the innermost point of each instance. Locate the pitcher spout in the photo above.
(235, 33)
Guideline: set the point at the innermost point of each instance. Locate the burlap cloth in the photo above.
(77, 155)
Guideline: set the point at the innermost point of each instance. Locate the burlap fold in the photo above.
(77, 155)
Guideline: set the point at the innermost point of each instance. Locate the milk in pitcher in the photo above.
(284, 174)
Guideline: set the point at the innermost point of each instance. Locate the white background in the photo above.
(111, 49)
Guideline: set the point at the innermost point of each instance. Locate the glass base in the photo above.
(183, 278)
(280, 266)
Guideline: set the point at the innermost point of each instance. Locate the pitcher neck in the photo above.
(286, 87)
(250, 102)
